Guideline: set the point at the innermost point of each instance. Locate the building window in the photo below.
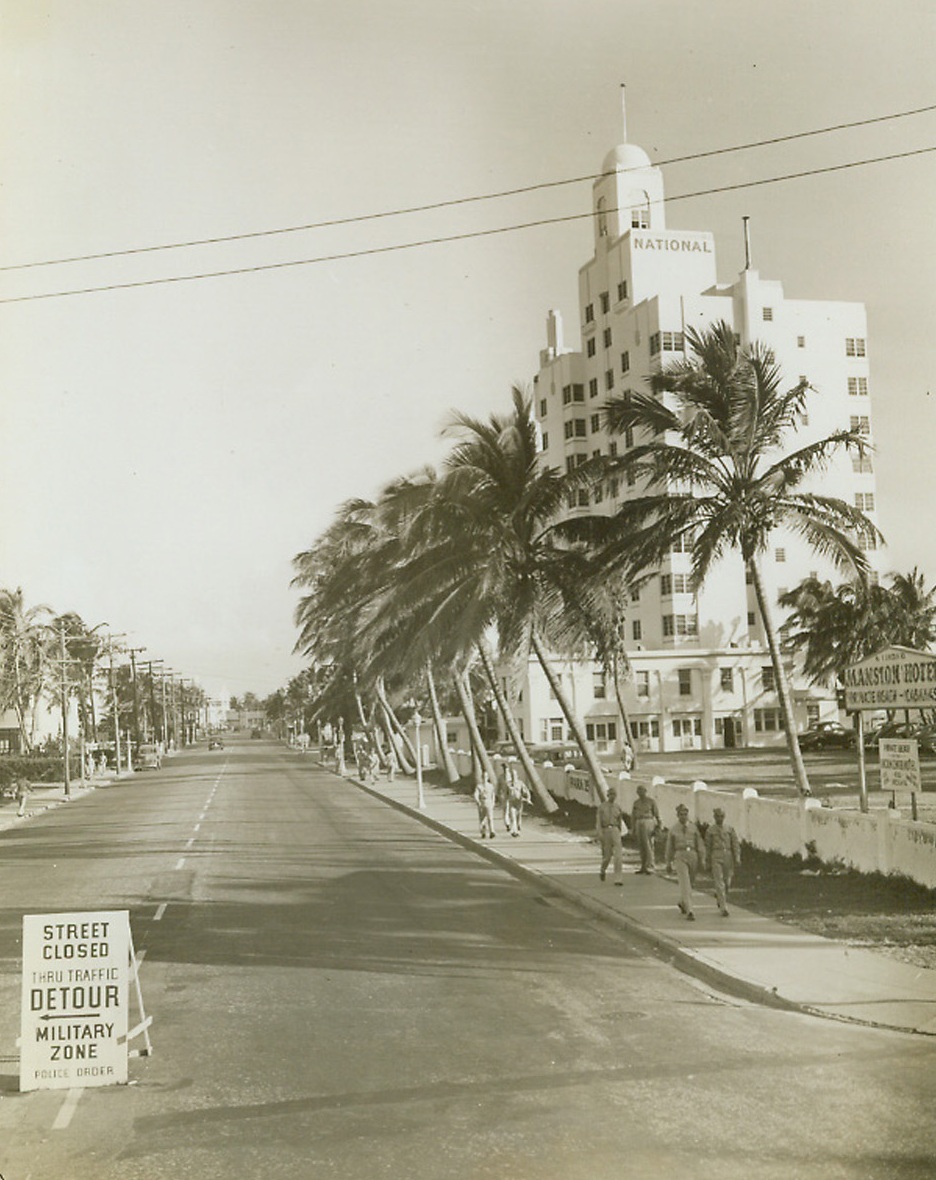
(596, 424)
(625, 362)
(609, 379)
(800, 341)
(640, 218)
(854, 346)
(666, 585)
(685, 681)
(767, 313)
(542, 407)
(862, 465)
(636, 630)
(589, 313)
(593, 387)
(680, 625)
(673, 341)
(568, 428)
(590, 347)
(768, 720)
(751, 619)
(860, 424)
(578, 393)
(812, 715)
(583, 500)
(864, 501)
(622, 289)
(613, 449)
(867, 541)
(727, 679)
(654, 343)
(642, 684)
(545, 441)
(599, 494)
(780, 555)
(580, 431)
(605, 302)
(599, 686)
(566, 394)
(683, 544)
(858, 386)
(768, 679)
(606, 337)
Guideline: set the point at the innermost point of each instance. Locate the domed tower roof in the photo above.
(625, 155)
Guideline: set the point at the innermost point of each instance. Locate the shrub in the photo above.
(38, 768)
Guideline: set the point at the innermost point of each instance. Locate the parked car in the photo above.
(889, 729)
(923, 735)
(827, 735)
(147, 757)
(215, 743)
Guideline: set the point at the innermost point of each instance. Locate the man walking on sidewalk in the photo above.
(485, 797)
(609, 824)
(685, 851)
(724, 855)
(645, 819)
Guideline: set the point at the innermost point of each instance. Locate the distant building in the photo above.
(702, 676)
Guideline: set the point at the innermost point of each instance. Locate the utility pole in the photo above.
(115, 701)
(152, 693)
(65, 714)
(165, 715)
(136, 704)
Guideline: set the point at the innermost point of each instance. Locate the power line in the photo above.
(482, 233)
(456, 201)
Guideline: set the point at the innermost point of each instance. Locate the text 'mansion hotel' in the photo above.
(702, 676)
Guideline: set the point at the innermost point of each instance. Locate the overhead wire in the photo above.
(457, 201)
(436, 241)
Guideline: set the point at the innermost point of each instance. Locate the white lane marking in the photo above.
(197, 826)
(160, 910)
(203, 814)
(181, 862)
(67, 1109)
(189, 842)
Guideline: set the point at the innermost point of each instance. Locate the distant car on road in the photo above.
(827, 735)
(147, 758)
(215, 743)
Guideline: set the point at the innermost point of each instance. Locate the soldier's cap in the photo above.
(719, 811)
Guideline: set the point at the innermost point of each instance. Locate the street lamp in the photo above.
(421, 802)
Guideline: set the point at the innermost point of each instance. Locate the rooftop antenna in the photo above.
(747, 243)
(624, 111)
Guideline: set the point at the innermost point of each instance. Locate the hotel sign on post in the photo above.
(75, 1000)
(895, 678)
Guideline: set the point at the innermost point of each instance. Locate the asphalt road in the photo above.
(339, 992)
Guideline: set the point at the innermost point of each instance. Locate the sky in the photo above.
(166, 449)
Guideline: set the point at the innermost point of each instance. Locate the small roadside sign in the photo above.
(75, 1000)
(900, 765)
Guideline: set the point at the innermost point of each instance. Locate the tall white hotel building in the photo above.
(702, 676)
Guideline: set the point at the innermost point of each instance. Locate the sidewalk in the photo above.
(42, 796)
(745, 954)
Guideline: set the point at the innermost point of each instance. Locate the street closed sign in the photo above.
(74, 1000)
(895, 678)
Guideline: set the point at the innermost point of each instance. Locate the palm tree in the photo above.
(25, 638)
(501, 506)
(718, 471)
(837, 626)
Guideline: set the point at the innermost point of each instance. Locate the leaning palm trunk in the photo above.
(397, 748)
(783, 688)
(397, 729)
(533, 776)
(482, 759)
(451, 770)
(622, 709)
(584, 745)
